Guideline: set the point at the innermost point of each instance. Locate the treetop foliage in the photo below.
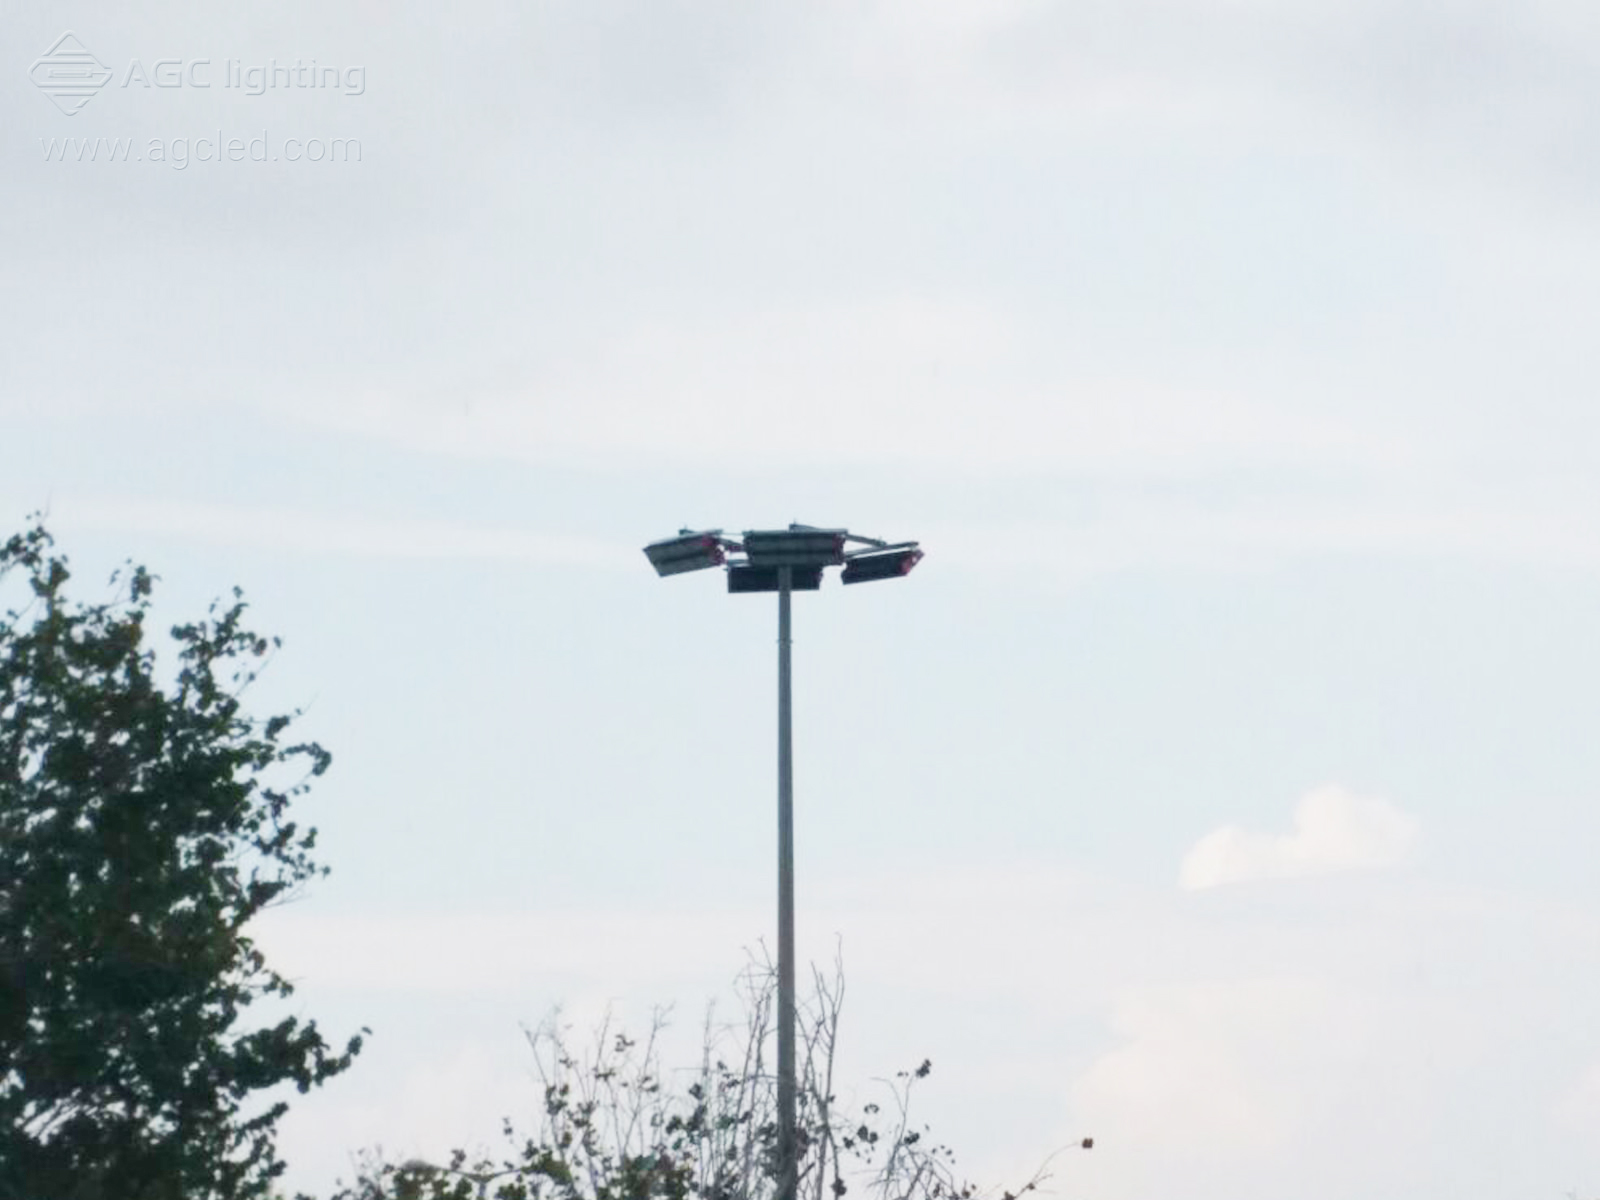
(610, 1123)
(142, 826)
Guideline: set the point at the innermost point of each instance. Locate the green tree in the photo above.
(142, 825)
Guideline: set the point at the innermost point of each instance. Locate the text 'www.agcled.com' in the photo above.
(179, 153)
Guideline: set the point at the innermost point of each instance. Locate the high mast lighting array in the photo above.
(784, 561)
(753, 562)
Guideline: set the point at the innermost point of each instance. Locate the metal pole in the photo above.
(788, 1159)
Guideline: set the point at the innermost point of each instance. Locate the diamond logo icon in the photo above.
(69, 74)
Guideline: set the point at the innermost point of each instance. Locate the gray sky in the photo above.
(1222, 784)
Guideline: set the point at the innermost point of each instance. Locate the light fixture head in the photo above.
(797, 546)
(689, 551)
(744, 578)
(881, 564)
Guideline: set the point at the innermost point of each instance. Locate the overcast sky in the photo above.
(1224, 783)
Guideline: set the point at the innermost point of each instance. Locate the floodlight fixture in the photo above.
(891, 563)
(796, 546)
(689, 551)
(744, 578)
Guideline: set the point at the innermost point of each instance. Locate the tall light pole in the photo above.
(788, 1151)
(784, 561)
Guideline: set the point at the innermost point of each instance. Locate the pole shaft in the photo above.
(788, 1157)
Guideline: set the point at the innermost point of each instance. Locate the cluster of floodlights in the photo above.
(755, 561)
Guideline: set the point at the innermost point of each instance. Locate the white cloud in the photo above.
(1191, 1072)
(1234, 1046)
(1130, 527)
(1578, 1108)
(335, 533)
(1421, 85)
(1334, 830)
(900, 380)
(1239, 1081)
